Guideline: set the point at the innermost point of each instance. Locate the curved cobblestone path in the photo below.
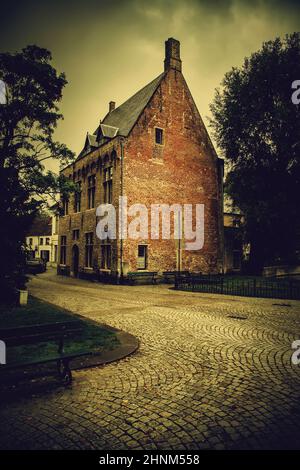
(212, 372)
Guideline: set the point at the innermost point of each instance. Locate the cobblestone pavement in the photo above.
(212, 372)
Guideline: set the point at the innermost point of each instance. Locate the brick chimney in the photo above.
(112, 106)
(172, 59)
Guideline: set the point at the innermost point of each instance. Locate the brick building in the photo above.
(154, 148)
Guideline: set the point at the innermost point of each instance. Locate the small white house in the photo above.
(42, 239)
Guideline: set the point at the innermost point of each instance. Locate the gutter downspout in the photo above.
(121, 208)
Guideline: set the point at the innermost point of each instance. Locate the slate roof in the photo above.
(121, 120)
(125, 116)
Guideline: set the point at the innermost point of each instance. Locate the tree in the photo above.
(257, 128)
(28, 117)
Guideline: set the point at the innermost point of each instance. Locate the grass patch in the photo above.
(93, 337)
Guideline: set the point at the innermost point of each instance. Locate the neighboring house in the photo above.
(234, 250)
(42, 239)
(154, 148)
(233, 245)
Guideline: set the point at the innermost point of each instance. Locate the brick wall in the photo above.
(184, 170)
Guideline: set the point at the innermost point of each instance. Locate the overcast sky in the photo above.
(110, 49)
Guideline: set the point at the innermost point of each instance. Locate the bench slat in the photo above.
(38, 328)
(41, 338)
(46, 360)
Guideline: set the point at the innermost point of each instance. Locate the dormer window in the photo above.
(159, 136)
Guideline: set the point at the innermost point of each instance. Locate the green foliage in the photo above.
(28, 120)
(93, 337)
(257, 128)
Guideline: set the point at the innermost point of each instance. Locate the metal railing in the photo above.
(250, 287)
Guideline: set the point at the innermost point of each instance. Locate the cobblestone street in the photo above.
(212, 372)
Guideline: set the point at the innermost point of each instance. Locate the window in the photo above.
(158, 136)
(105, 256)
(63, 249)
(107, 185)
(77, 198)
(91, 191)
(89, 250)
(30, 241)
(65, 204)
(41, 241)
(76, 234)
(47, 241)
(142, 261)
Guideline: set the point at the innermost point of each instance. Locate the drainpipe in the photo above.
(121, 209)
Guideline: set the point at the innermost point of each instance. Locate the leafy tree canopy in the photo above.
(257, 128)
(28, 118)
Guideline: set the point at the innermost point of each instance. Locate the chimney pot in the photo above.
(112, 106)
(172, 58)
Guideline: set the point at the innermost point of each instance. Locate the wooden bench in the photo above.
(142, 275)
(49, 332)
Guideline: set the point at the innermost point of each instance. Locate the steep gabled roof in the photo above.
(125, 116)
(121, 120)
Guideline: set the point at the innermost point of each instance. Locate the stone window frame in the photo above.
(144, 245)
(162, 143)
(63, 250)
(77, 198)
(91, 191)
(75, 234)
(89, 248)
(108, 184)
(65, 206)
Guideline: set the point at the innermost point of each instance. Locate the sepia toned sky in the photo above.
(110, 49)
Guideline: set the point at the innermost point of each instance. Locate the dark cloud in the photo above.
(109, 49)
